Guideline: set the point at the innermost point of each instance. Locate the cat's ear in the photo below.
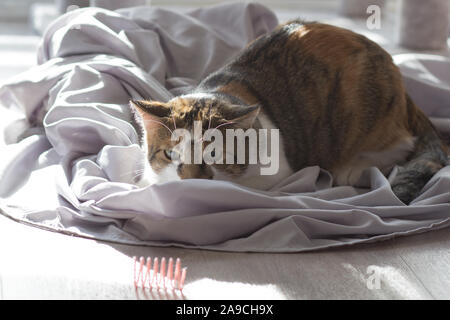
(152, 109)
(243, 116)
(149, 113)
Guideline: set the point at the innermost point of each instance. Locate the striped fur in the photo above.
(336, 97)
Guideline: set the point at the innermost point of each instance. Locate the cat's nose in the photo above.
(205, 174)
(209, 177)
(206, 171)
(193, 171)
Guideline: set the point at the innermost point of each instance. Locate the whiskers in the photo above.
(210, 116)
(138, 174)
(223, 124)
(173, 119)
(135, 175)
(161, 123)
(164, 125)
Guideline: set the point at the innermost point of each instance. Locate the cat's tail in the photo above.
(430, 154)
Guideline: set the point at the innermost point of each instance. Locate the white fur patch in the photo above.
(150, 177)
(169, 173)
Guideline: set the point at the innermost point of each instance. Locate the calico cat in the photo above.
(336, 97)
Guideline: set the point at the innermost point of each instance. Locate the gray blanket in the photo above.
(71, 150)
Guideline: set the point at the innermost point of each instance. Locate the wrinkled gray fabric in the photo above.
(72, 150)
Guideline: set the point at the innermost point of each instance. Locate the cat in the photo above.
(336, 97)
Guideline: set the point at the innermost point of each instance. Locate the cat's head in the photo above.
(177, 146)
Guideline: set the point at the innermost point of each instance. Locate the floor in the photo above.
(55, 266)
(38, 264)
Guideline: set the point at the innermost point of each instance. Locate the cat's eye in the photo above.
(171, 154)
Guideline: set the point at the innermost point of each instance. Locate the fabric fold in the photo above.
(74, 153)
